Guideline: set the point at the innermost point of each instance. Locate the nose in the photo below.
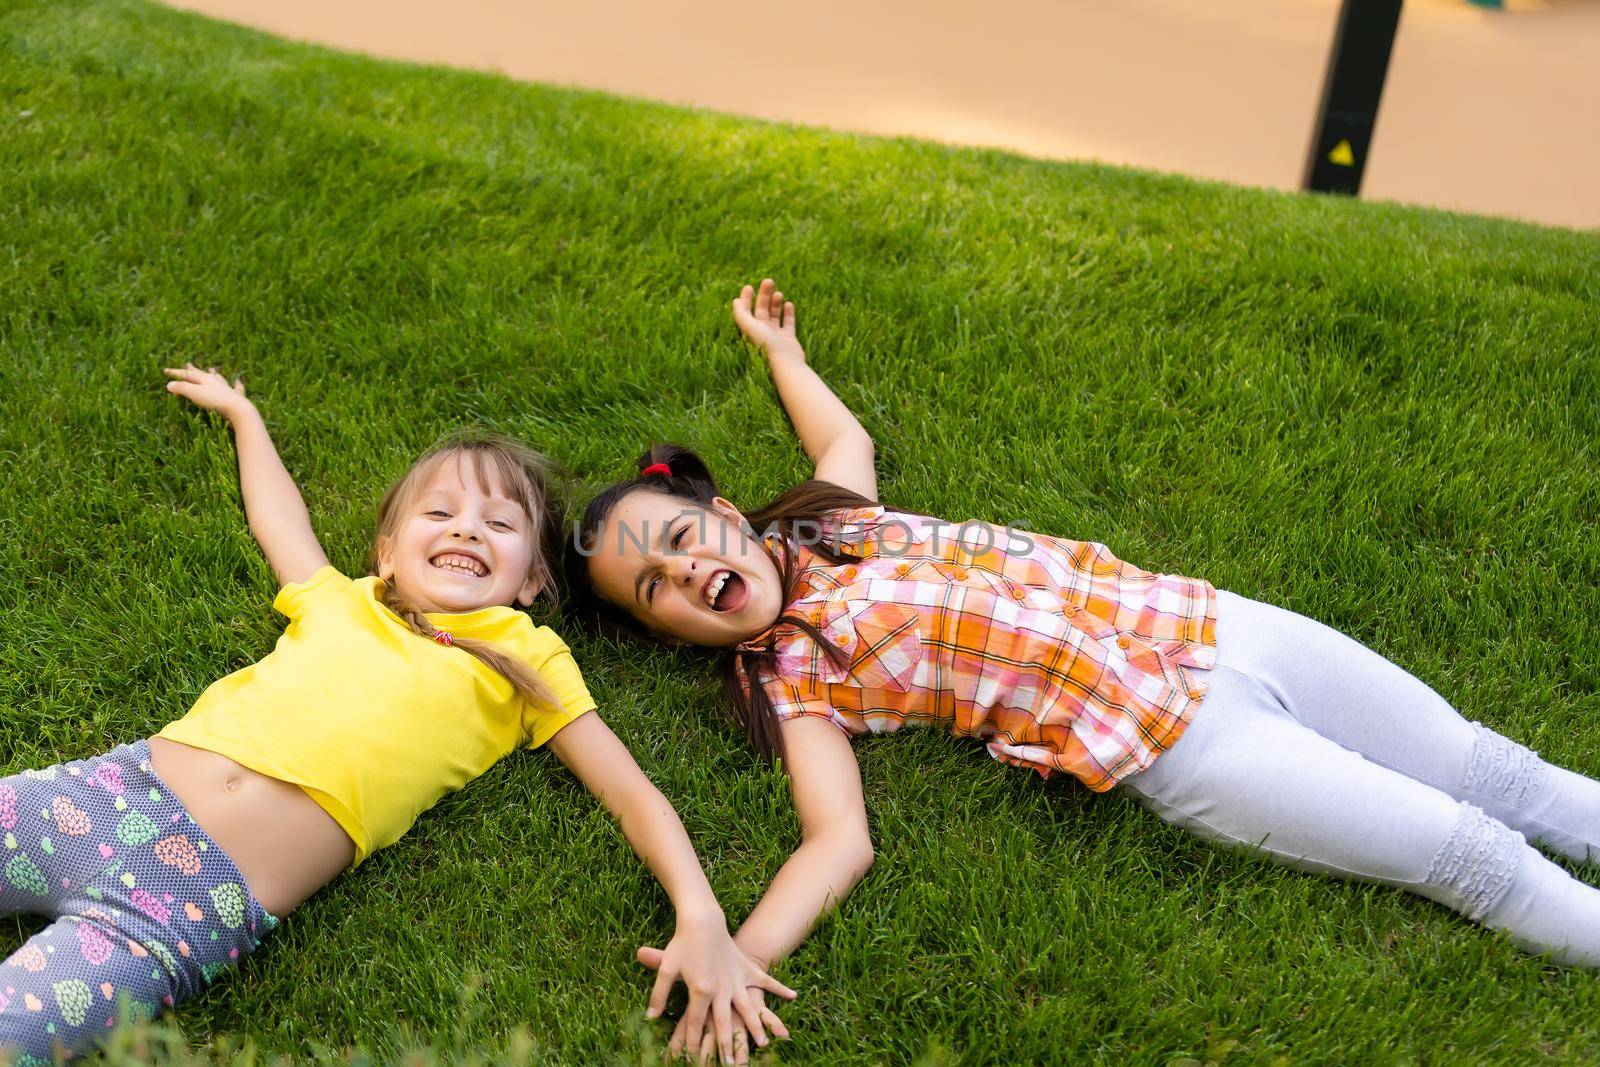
(463, 528)
(680, 569)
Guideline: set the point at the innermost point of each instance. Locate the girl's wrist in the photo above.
(752, 952)
(792, 353)
(242, 411)
(701, 916)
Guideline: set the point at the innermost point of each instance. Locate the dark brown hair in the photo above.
(523, 475)
(801, 508)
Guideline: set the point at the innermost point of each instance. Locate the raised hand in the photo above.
(768, 321)
(208, 389)
(720, 978)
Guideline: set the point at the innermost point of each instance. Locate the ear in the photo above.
(529, 591)
(385, 557)
(724, 507)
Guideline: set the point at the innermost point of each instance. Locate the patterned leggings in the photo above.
(148, 910)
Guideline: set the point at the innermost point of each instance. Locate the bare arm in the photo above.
(833, 438)
(272, 503)
(834, 854)
(718, 974)
(835, 846)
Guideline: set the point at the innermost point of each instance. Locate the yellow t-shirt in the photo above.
(374, 721)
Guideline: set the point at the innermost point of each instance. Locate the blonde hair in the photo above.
(523, 475)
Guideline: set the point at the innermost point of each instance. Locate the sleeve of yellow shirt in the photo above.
(294, 599)
(560, 672)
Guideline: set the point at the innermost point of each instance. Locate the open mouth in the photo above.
(725, 591)
(460, 563)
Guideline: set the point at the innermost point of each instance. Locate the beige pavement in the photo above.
(1485, 111)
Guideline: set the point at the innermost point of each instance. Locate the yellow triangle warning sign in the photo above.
(1342, 154)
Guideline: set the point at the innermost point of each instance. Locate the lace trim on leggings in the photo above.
(1477, 861)
(1502, 769)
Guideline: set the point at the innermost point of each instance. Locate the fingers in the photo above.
(695, 1016)
(678, 1046)
(659, 993)
(750, 1015)
(772, 985)
(722, 1020)
(763, 306)
(195, 376)
(775, 1024)
(650, 956)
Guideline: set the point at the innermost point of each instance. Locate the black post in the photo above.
(1350, 95)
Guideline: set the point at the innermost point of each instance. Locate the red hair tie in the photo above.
(444, 638)
(656, 468)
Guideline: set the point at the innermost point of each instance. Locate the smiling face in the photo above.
(459, 543)
(687, 572)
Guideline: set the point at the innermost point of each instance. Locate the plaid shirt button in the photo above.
(903, 569)
(1123, 642)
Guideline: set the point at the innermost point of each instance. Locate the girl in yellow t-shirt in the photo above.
(166, 860)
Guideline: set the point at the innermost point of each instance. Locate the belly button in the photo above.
(231, 784)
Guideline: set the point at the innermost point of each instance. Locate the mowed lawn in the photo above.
(1387, 419)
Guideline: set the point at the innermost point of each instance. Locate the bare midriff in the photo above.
(281, 840)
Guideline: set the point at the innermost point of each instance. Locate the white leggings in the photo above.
(1324, 755)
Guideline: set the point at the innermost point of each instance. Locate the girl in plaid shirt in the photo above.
(1245, 723)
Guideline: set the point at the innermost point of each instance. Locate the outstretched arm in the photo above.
(272, 504)
(834, 854)
(835, 845)
(720, 977)
(831, 436)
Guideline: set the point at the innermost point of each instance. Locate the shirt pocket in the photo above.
(887, 646)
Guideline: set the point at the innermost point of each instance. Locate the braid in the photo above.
(524, 679)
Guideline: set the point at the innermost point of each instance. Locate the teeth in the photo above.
(461, 565)
(715, 588)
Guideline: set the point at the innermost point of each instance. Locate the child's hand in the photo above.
(768, 322)
(209, 390)
(741, 1041)
(719, 977)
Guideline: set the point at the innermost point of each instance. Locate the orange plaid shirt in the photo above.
(1059, 655)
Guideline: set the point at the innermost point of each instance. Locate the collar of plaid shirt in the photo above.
(855, 534)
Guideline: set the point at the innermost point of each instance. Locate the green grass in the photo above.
(1388, 419)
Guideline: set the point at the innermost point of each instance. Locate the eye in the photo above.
(650, 590)
(437, 512)
(501, 523)
(677, 538)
